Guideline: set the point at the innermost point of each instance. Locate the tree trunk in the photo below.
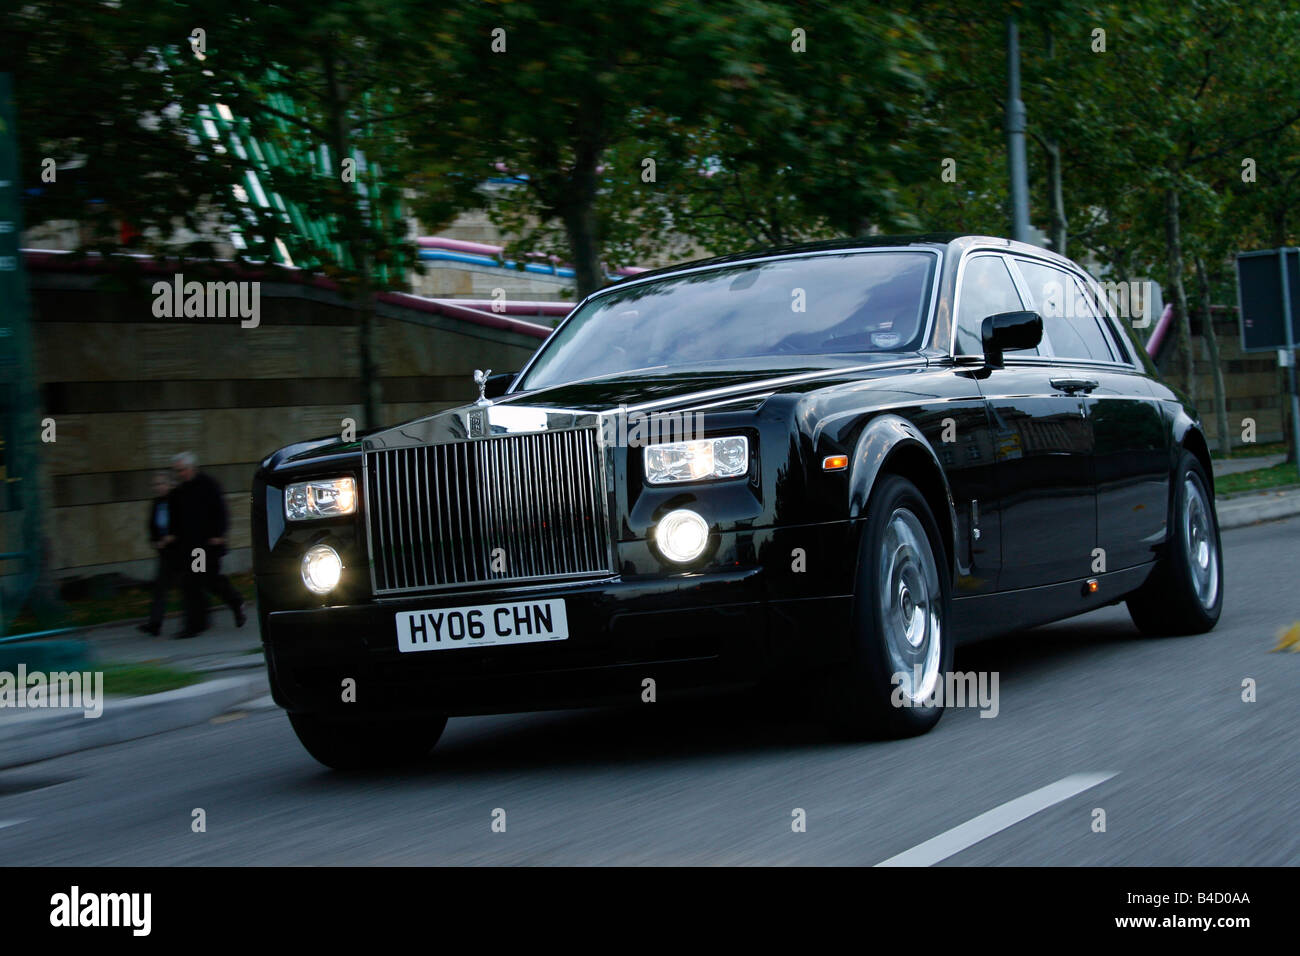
(1216, 368)
(578, 214)
(1054, 181)
(354, 240)
(1174, 250)
(371, 393)
(580, 227)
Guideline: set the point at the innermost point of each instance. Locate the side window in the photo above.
(1114, 337)
(986, 289)
(1070, 318)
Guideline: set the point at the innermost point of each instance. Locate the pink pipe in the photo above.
(475, 316)
(458, 245)
(1161, 332)
(48, 260)
(512, 306)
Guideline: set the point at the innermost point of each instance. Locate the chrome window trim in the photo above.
(1126, 344)
(1133, 364)
(936, 281)
(1090, 286)
(1083, 287)
(967, 256)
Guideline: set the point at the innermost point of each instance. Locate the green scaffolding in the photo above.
(22, 549)
(255, 145)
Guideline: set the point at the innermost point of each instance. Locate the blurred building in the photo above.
(126, 390)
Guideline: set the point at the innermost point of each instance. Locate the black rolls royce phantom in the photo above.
(833, 461)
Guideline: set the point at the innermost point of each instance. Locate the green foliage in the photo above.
(94, 97)
(755, 139)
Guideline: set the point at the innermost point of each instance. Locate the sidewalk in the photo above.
(230, 659)
(1232, 466)
(1248, 507)
(221, 647)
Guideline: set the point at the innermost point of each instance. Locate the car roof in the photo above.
(958, 241)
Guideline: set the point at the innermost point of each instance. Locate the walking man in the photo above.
(199, 513)
(164, 542)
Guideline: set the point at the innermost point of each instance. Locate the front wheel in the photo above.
(1184, 594)
(367, 742)
(901, 650)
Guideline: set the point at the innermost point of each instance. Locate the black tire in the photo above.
(864, 697)
(1174, 599)
(368, 742)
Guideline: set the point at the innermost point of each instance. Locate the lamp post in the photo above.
(1016, 164)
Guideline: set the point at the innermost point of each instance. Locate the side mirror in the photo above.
(1008, 331)
(496, 385)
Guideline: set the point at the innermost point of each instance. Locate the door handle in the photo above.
(1072, 385)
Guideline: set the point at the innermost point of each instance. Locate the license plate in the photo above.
(483, 625)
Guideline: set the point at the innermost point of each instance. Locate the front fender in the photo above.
(890, 437)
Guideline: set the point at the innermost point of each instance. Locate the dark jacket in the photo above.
(198, 511)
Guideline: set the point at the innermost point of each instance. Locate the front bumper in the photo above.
(687, 633)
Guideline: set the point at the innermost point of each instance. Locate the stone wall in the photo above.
(1251, 382)
(127, 390)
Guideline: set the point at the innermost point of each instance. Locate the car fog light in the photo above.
(321, 569)
(682, 536)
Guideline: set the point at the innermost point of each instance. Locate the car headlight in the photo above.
(682, 535)
(330, 498)
(697, 460)
(321, 569)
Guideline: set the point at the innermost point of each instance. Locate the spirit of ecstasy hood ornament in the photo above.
(480, 378)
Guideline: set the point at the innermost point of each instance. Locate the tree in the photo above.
(103, 143)
(820, 127)
(311, 100)
(546, 90)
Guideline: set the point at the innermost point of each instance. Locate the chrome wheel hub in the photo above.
(1201, 541)
(910, 600)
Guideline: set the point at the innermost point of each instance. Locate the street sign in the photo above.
(1268, 308)
(1259, 297)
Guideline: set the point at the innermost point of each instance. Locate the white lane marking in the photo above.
(10, 823)
(994, 821)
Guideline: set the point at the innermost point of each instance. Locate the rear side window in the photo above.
(1070, 318)
(986, 289)
(1115, 334)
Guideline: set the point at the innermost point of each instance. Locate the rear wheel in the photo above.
(901, 646)
(367, 742)
(1184, 594)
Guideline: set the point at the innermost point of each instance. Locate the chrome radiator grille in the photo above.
(437, 513)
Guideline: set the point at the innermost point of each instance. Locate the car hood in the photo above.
(661, 387)
(581, 403)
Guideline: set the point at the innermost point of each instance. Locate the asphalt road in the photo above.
(1199, 776)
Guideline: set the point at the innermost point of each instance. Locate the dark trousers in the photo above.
(163, 582)
(197, 585)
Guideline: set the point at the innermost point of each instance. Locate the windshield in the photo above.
(808, 305)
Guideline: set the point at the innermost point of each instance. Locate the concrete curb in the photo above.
(1238, 512)
(26, 737)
